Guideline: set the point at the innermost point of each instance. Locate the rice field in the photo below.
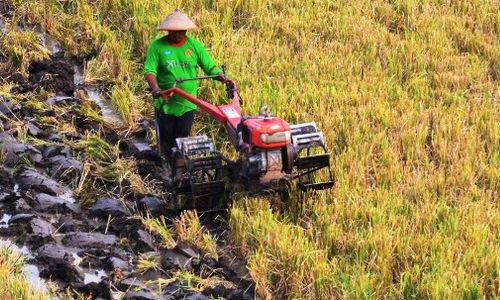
(408, 95)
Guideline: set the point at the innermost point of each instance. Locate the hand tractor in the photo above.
(272, 153)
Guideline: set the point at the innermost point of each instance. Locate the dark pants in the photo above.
(172, 127)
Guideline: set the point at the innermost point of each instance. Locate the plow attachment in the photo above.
(203, 170)
(312, 158)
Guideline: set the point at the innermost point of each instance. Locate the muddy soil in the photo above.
(53, 75)
(93, 249)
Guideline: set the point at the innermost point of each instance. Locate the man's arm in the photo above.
(153, 84)
(150, 70)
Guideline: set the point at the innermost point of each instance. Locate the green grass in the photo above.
(13, 283)
(407, 93)
(159, 227)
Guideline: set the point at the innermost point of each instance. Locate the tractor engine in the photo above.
(262, 161)
(264, 140)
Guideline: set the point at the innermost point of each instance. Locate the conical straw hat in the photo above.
(177, 21)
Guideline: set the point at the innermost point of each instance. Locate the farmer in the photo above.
(169, 58)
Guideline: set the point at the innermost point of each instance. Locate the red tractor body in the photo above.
(271, 151)
(268, 132)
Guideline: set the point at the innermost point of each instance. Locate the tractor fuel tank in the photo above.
(265, 132)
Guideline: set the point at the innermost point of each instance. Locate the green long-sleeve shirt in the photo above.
(170, 62)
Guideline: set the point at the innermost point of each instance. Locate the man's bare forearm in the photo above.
(152, 82)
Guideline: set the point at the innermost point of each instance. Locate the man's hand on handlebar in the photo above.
(156, 93)
(164, 94)
(221, 77)
(231, 88)
(231, 84)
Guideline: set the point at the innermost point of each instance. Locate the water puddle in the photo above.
(96, 276)
(16, 190)
(79, 77)
(24, 250)
(68, 196)
(49, 43)
(141, 146)
(4, 222)
(107, 110)
(117, 295)
(2, 25)
(33, 276)
(77, 259)
(89, 275)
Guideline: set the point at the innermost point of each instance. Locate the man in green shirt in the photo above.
(169, 58)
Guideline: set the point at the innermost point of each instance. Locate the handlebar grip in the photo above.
(231, 88)
(165, 95)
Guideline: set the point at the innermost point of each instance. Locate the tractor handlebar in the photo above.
(231, 86)
(181, 80)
